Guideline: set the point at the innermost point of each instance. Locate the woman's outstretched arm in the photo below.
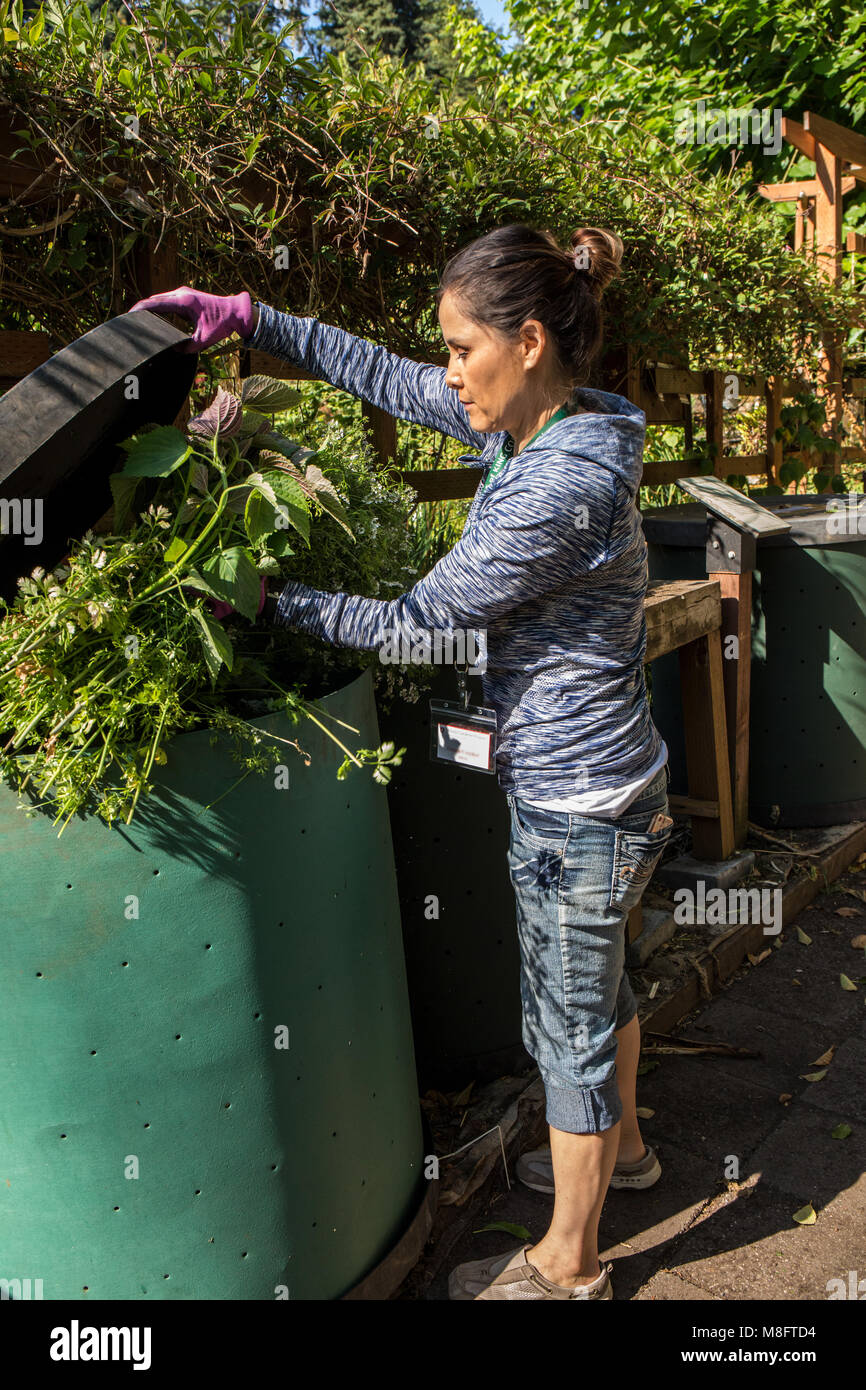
(412, 391)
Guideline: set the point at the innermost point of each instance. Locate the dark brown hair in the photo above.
(517, 273)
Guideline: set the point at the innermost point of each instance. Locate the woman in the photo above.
(552, 564)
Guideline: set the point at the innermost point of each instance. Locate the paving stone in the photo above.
(647, 1221)
(842, 1090)
(706, 1113)
(748, 1247)
(819, 997)
(670, 1288)
(788, 1044)
(801, 1158)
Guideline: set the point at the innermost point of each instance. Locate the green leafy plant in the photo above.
(103, 659)
(802, 432)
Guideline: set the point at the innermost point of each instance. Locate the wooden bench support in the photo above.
(706, 738)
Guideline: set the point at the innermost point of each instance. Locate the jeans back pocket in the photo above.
(635, 856)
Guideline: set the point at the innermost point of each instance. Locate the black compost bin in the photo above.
(807, 761)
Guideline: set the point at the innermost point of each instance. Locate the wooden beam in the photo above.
(441, 484)
(841, 141)
(855, 241)
(690, 806)
(806, 188)
(706, 740)
(678, 612)
(798, 136)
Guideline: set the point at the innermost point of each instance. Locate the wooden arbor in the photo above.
(839, 155)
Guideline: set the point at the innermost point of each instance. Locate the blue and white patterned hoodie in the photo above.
(552, 563)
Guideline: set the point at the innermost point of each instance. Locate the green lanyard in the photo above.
(507, 450)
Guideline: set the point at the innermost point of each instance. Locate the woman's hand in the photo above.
(215, 316)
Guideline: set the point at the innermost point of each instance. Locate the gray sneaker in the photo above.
(511, 1276)
(535, 1170)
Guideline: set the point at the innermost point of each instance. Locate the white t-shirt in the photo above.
(611, 803)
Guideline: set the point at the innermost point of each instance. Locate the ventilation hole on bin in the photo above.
(318, 986)
(333, 1134)
(39, 974)
(147, 1124)
(69, 885)
(116, 1208)
(447, 952)
(124, 962)
(208, 946)
(156, 875)
(303, 832)
(85, 1288)
(177, 1037)
(315, 1223)
(228, 1105)
(93, 1052)
(243, 1254)
(363, 1182)
(273, 1167)
(197, 1192)
(348, 805)
(166, 1276)
(63, 1136)
(374, 1095)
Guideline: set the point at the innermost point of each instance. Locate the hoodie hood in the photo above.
(610, 433)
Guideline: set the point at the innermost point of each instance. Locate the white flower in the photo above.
(99, 559)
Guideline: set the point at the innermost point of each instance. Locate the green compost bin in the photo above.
(807, 753)
(156, 1142)
(450, 829)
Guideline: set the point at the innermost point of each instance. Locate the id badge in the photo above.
(463, 734)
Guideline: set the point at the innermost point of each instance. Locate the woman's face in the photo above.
(499, 383)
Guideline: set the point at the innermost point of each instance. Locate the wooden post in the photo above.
(773, 400)
(384, 429)
(828, 252)
(714, 386)
(737, 670)
(706, 739)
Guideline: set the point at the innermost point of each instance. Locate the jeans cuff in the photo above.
(583, 1110)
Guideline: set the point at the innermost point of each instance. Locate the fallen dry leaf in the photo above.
(785, 1097)
(813, 1075)
(806, 1215)
(858, 942)
(756, 960)
(826, 1058)
(847, 911)
(643, 1112)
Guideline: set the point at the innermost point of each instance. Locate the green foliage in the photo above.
(644, 59)
(370, 176)
(104, 659)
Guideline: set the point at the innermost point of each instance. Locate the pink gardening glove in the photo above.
(220, 608)
(215, 316)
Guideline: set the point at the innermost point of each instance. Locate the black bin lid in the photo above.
(810, 517)
(61, 426)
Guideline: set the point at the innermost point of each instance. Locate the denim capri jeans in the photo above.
(575, 879)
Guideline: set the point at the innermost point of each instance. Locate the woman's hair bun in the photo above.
(598, 253)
